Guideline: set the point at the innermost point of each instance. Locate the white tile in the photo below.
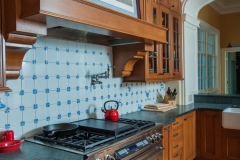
(27, 69)
(52, 83)
(40, 124)
(62, 55)
(52, 97)
(52, 55)
(27, 84)
(29, 130)
(41, 98)
(52, 69)
(40, 83)
(53, 121)
(15, 85)
(14, 100)
(53, 110)
(3, 120)
(14, 117)
(40, 69)
(73, 70)
(41, 113)
(72, 56)
(17, 129)
(51, 42)
(63, 70)
(40, 55)
(63, 82)
(28, 114)
(63, 96)
(28, 99)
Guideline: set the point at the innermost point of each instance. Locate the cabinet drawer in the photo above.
(178, 122)
(177, 134)
(177, 145)
(178, 155)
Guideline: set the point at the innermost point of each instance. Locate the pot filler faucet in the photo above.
(96, 77)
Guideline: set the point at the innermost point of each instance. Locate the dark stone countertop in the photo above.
(170, 116)
(32, 151)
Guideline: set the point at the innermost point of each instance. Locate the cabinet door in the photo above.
(167, 142)
(210, 134)
(189, 132)
(166, 56)
(176, 46)
(230, 144)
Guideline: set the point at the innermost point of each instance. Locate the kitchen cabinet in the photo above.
(209, 134)
(230, 144)
(177, 139)
(163, 62)
(189, 132)
(167, 133)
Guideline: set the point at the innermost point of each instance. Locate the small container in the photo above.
(172, 102)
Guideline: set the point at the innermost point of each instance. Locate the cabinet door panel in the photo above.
(211, 134)
(167, 142)
(230, 144)
(189, 132)
(178, 156)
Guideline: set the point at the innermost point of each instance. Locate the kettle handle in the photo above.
(111, 101)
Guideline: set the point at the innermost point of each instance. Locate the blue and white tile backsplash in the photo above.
(55, 87)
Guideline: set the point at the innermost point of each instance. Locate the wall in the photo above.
(228, 24)
(210, 16)
(54, 87)
(230, 29)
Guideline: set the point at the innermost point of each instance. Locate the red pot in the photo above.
(10, 146)
(8, 136)
(111, 114)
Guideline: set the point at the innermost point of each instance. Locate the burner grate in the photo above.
(83, 140)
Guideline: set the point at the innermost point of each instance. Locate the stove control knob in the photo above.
(109, 157)
(154, 138)
(150, 139)
(159, 136)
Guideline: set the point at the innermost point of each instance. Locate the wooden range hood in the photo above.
(25, 19)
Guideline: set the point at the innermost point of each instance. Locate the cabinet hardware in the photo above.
(161, 73)
(175, 135)
(166, 129)
(176, 146)
(175, 156)
(173, 6)
(185, 119)
(175, 123)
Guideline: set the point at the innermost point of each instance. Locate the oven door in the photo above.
(154, 153)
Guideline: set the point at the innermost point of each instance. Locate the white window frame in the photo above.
(212, 30)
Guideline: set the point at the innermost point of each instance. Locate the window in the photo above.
(207, 58)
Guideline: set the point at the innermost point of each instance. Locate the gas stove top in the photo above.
(93, 134)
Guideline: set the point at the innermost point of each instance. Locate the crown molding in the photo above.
(225, 8)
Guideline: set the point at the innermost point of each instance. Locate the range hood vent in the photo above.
(86, 37)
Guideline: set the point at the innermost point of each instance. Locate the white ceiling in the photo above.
(226, 6)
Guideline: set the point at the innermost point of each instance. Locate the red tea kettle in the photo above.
(111, 114)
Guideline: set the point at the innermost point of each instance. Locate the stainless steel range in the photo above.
(97, 139)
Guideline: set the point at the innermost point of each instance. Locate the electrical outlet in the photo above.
(189, 98)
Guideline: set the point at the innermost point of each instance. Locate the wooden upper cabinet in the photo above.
(176, 49)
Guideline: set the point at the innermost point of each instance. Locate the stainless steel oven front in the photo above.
(145, 145)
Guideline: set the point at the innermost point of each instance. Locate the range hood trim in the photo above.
(115, 22)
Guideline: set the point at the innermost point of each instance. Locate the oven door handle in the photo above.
(159, 148)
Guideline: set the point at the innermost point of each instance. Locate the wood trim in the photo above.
(3, 87)
(128, 68)
(92, 14)
(16, 48)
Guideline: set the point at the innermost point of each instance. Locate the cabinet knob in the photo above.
(175, 135)
(173, 6)
(175, 155)
(161, 73)
(175, 123)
